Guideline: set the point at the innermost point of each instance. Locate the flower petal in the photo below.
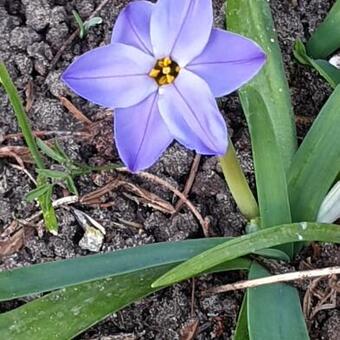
(141, 134)
(180, 29)
(228, 62)
(132, 26)
(115, 75)
(192, 116)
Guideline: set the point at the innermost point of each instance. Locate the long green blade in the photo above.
(317, 162)
(252, 18)
(246, 244)
(274, 311)
(49, 276)
(20, 114)
(270, 174)
(325, 69)
(325, 39)
(24, 124)
(241, 330)
(65, 313)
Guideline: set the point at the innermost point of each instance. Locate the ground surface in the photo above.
(31, 33)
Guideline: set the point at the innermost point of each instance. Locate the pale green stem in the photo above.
(238, 184)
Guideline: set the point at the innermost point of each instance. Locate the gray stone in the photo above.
(38, 13)
(22, 37)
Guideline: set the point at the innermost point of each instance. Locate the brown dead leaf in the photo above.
(20, 153)
(75, 111)
(12, 244)
(148, 198)
(29, 96)
(140, 195)
(189, 331)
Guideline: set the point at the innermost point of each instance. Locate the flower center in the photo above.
(165, 71)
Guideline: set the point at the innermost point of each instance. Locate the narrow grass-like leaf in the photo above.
(271, 82)
(20, 114)
(325, 69)
(52, 173)
(49, 276)
(274, 311)
(59, 150)
(24, 124)
(92, 22)
(270, 174)
(247, 244)
(71, 187)
(325, 39)
(80, 23)
(50, 152)
(37, 192)
(317, 162)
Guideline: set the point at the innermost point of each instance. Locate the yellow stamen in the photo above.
(169, 78)
(165, 71)
(154, 73)
(163, 81)
(167, 61)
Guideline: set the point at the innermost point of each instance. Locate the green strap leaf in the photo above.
(325, 69)
(274, 311)
(49, 276)
(66, 313)
(246, 244)
(270, 174)
(241, 330)
(325, 39)
(271, 82)
(316, 163)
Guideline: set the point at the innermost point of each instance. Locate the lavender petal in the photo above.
(181, 29)
(113, 76)
(141, 134)
(192, 116)
(132, 26)
(228, 62)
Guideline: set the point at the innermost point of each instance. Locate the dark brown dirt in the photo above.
(31, 32)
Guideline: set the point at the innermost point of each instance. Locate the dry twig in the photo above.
(142, 196)
(190, 181)
(167, 185)
(20, 153)
(76, 112)
(24, 170)
(318, 299)
(302, 275)
(59, 134)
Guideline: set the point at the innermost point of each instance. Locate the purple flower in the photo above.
(161, 72)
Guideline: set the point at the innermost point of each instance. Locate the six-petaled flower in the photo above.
(161, 72)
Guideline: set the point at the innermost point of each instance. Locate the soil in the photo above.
(31, 33)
